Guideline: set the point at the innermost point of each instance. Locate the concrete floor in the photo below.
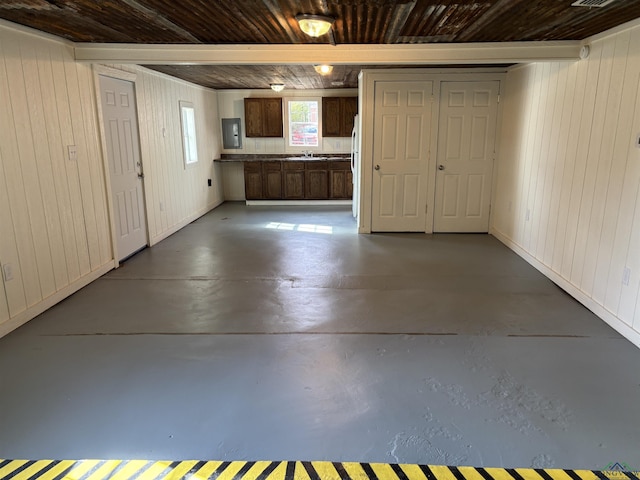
(248, 336)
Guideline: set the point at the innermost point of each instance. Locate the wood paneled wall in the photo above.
(567, 196)
(54, 228)
(54, 224)
(175, 195)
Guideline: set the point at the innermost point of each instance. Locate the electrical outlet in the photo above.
(626, 275)
(7, 272)
(72, 152)
(338, 144)
(208, 182)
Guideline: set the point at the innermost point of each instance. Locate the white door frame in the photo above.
(366, 91)
(130, 77)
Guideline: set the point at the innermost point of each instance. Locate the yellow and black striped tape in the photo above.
(203, 470)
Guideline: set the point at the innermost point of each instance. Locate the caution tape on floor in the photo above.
(218, 470)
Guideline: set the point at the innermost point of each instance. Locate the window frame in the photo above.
(287, 127)
(188, 147)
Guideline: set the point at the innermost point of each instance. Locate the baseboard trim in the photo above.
(35, 310)
(608, 317)
(179, 226)
(298, 202)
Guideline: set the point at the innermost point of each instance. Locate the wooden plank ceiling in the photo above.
(273, 22)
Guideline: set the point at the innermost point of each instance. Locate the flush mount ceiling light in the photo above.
(277, 87)
(323, 69)
(314, 25)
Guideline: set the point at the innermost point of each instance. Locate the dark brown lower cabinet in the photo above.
(253, 180)
(272, 180)
(340, 180)
(298, 180)
(316, 180)
(293, 179)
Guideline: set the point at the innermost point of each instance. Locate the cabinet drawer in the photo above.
(252, 167)
(293, 165)
(316, 165)
(271, 166)
(340, 165)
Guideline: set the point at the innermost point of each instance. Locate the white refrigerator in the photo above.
(355, 165)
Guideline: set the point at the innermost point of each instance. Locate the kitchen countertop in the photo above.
(281, 157)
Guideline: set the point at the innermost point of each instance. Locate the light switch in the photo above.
(7, 272)
(72, 152)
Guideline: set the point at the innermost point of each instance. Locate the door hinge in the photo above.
(433, 98)
(498, 98)
(426, 208)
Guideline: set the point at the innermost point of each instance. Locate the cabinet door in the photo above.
(349, 110)
(253, 118)
(293, 180)
(340, 180)
(316, 180)
(331, 117)
(337, 184)
(272, 180)
(272, 117)
(253, 180)
(349, 184)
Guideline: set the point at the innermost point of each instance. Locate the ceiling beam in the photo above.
(406, 54)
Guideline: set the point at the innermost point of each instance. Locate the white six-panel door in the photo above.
(466, 148)
(123, 151)
(402, 122)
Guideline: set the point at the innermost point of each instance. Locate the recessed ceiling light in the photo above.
(323, 69)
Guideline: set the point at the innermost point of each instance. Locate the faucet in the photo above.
(307, 154)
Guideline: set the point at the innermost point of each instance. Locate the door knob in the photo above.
(440, 167)
(377, 167)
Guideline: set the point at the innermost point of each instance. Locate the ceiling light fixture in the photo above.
(277, 87)
(314, 25)
(323, 69)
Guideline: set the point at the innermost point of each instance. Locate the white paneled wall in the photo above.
(176, 195)
(54, 221)
(567, 195)
(54, 228)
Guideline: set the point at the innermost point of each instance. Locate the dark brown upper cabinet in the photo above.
(337, 116)
(263, 117)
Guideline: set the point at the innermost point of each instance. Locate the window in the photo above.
(188, 122)
(303, 124)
